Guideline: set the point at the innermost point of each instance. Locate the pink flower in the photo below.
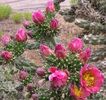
(52, 69)
(45, 50)
(38, 17)
(91, 78)
(85, 55)
(26, 23)
(6, 55)
(23, 75)
(50, 6)
(60, 51)
(35, 96)
(40, 71)
(79, 93)
(5, 39)
(21, 35)
(75, 45)
(30, 87)
(58, 79)
(54, 24)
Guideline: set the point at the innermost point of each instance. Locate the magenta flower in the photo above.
(60, 51)
(23, 75)
(85, 55)
(79, 93)
(75, 45)
(54, 24)
(5, 39)
(45, 50)
(21, 35)
(26, 23)
(52, 69)
(38, 17)
(50, 7)
(40, 71)
(58, 79)
(91, 78)
(6, 55)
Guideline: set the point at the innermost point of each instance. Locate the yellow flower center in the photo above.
(77, 91)
(89, 78)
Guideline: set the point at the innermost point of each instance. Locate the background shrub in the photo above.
(1, 33)
(17, 17)
(5, 11)
(27, 15)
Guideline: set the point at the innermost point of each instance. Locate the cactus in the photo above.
(91, 16)
(91, 11)
(71, 62)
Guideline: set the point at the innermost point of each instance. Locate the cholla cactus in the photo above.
(99, 5)
(92, 15)
(44, 26)
(70, 59)
(66, 70)
(67, 73)
(15, 46)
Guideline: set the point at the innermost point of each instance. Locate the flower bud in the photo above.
(54, 24)
(38, 17)
(23, 75)
(5, 39)
(60, 51)
(35, 96)
(50, 7)
(26, 23)
(75, 45)
(30, 87)
(21, 35)
(45, 50)
(85, 55)
(40, 71)
(6, 55)
(52, 69)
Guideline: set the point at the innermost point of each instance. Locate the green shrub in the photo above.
(5, 11)
(1, 33)
(27, 15)
(17, 17)
(73, 2)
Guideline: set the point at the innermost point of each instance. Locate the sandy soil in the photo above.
(30, 5)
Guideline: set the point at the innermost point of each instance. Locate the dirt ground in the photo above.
(30, 5)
